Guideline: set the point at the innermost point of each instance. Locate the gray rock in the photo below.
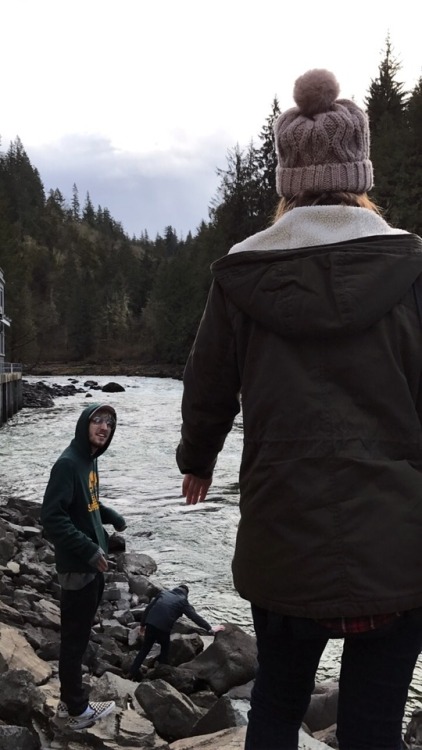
(19, 696)
(322, 710)
(231, 660)
(136, 563)
(172, 713)
(113, 388)
(223, 714)
(19, 655)
(18, 738)
(183, 648)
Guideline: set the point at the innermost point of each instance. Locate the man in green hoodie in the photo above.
(73, 518)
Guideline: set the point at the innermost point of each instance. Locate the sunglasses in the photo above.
(98, 419)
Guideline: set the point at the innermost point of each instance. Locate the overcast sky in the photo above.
(138, 101)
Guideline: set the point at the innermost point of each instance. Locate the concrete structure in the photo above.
(10, 374)
(4, 321)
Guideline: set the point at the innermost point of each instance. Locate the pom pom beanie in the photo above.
(322, 144)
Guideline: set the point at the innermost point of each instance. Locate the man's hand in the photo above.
(195, 489)
(217, 628)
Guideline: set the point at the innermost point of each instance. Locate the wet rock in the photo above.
(112, 388)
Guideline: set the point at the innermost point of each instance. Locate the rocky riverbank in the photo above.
(200, 700)
(39, 395)
(157, 370)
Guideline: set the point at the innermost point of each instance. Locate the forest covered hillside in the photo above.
(79, 289)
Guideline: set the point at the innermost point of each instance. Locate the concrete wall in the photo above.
(11, 397)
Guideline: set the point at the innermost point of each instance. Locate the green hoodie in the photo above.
(71, 513)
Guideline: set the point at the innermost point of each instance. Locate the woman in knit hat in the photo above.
(315, 322)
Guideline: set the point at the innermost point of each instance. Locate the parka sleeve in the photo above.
(211, 389)
(55, 517)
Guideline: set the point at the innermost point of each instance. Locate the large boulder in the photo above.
(229, 661)
(18, 654)
(322, 710)
(20, 697)
(225, 713)
(136, 563)
(183, 648)
(180, 678)
(172, 713)
(413, 734)
(18, 738)
(7, 544)
(112, 388)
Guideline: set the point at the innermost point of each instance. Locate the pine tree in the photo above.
(76, 208)
(24, 190)
(386, 104)
(410, 197)
(88, 213)
(235, 208)
(267, 163)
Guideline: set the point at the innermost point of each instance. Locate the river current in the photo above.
(139, 477)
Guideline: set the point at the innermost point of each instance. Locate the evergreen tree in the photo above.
(386, 110)
(267, 163)
(24, 190)
(409, 199)
(235, 208)
(88, 213)
(76, 208)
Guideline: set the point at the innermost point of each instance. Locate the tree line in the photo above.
(79, 288)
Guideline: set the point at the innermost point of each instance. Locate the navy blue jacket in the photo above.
(163, 611)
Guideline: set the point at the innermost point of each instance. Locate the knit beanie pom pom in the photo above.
(315, 92)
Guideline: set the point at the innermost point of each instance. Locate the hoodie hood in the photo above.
(81, 439)
(327, 290)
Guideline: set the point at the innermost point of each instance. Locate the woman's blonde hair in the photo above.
(356, 200)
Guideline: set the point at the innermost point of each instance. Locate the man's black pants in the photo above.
(152, 635)
(77, 610)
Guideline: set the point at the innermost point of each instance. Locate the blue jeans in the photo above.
(376, 671)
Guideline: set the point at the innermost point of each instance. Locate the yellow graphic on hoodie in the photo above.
(93, 491)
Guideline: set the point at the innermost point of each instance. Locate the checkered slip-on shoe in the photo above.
(61, 711)
(94, 712)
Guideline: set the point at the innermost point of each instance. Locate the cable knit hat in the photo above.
(322, 144)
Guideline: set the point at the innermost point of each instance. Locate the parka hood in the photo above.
(81, 439)
(327, 290)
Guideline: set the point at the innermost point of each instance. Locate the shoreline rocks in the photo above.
(41, 395)
(202, 693)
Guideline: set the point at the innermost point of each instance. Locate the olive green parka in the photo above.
(324, 344)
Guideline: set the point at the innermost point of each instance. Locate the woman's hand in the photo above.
(195, 489)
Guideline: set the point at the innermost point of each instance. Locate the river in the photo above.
(139, 477)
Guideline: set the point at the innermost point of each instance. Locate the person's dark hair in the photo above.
(183, 586)
(339, 198)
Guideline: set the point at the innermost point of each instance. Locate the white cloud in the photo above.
(131, 90)
(143, 191)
